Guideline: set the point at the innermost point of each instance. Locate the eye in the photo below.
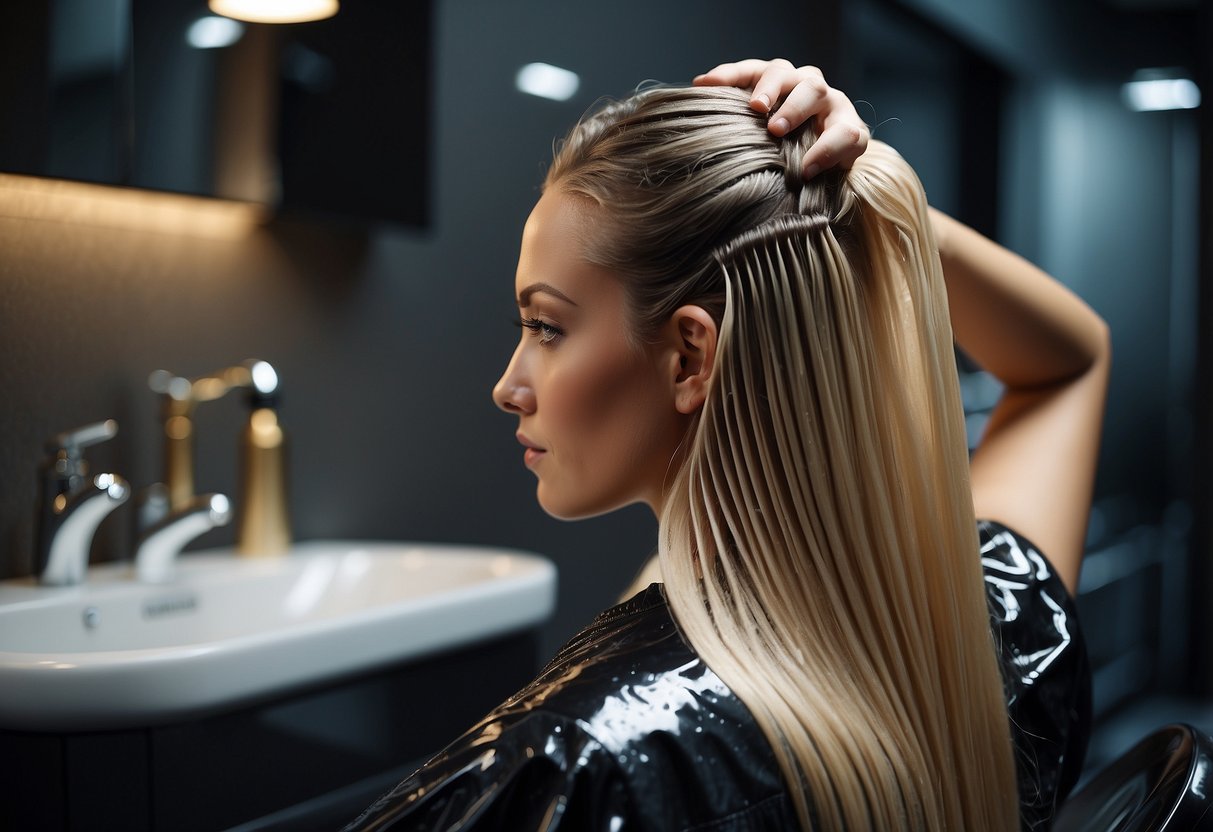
(547, 334)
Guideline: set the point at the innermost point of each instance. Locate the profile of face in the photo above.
(601, 413)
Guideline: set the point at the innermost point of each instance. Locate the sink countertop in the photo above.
(112, 653)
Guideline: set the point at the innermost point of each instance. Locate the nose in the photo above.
(513, 392)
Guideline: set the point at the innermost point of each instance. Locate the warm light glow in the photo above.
(547, 81)
(57, 200)
(1146, 93)
(275, 11)
(178, 427)
(213, 32)
(263, 424)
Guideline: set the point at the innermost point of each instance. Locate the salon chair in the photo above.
(1165, 782)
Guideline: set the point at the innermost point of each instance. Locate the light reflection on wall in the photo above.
(52, 200)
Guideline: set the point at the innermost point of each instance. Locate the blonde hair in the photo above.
(818, 543)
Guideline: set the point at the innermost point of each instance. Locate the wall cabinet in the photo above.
(310, 760)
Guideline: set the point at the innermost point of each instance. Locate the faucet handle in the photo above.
(72, 442)
(66, 464)
(70, 505)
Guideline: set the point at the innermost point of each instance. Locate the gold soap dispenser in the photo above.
(263, 525)
(263, 522)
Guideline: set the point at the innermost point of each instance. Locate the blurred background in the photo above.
(344, 199)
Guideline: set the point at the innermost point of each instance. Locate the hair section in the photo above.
(818, 542)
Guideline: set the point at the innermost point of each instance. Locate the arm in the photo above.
(1035, 467)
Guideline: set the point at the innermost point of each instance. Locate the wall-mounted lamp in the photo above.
(547, 81)
(275, 11)
(1160, 89)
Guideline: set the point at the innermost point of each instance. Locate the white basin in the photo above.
(112, 653)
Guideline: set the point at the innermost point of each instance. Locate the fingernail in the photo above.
(780, 126)
(766, 102)
(812, 170)
(697, 77)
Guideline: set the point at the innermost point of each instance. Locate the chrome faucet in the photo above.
(159, 545)
(72, 505)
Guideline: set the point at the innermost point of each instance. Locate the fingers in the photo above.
(801, 93)
(742, 74)
(768, 81)
(844, 136)
(805, 100)
(778, 79)
(839, 144)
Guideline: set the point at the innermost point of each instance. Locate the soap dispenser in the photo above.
(263, 524)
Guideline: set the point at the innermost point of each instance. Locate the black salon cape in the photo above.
(627, 729)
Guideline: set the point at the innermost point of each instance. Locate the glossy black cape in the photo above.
(627, 729)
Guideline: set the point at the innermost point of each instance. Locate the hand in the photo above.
(800, 93)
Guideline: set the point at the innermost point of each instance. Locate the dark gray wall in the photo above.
(387, 341)
(1202, 623)
(1106, 199)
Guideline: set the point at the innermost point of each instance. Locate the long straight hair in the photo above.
(817, 541)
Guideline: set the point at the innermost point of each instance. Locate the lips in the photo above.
(532, 456)
(533, 452)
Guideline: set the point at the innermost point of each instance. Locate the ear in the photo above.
(691, 338)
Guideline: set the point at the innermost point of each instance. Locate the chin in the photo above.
(565, 509)
(577, 506)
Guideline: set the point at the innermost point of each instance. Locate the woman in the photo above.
(724, 322)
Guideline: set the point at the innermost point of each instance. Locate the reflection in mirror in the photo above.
(89, 44)
(330, 116)
(204, 111)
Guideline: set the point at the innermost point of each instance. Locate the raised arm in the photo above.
(1034, 469)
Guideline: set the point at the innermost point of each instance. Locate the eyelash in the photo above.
(545, 332)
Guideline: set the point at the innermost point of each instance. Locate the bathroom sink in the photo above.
(112, 653)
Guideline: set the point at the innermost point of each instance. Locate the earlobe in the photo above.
(693, 333)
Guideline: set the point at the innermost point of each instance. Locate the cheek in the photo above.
(583, 394)
(604, 404)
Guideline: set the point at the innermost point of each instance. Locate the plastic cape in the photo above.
(1046, 671)
(627, 729)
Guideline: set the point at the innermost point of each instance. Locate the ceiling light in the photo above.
(547, 81)
(275, 11)
(1159, 89)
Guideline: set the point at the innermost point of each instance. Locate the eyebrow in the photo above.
(524, 297)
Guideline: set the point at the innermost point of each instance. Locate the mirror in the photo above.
(327, 117)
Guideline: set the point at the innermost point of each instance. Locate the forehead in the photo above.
(554, 249)
(555, 243)
(554, 239)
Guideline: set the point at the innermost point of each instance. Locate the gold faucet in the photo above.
(262, 521)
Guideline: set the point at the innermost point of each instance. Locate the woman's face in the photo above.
(595, 410)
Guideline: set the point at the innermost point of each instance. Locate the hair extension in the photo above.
(817, 543)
